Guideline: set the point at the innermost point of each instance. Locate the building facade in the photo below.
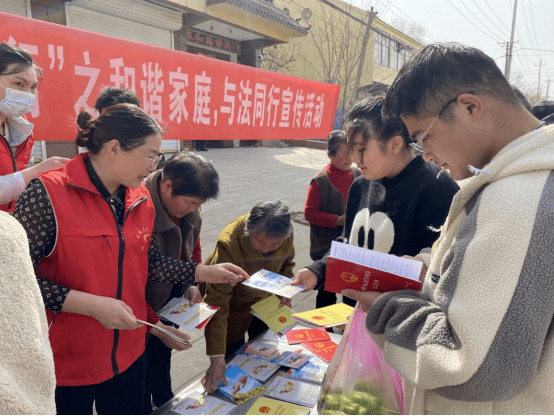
(230, 30)
(332, 49)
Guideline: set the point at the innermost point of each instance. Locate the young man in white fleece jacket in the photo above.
(478, 338)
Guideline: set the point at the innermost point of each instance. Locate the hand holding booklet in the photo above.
(273, 283)
(180, 312)
(352, 267)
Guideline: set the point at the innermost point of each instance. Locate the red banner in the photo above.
(197, 98)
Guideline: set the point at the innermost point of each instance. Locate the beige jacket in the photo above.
(479, 337)
(27, 380)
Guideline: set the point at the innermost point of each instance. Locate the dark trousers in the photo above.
(158, 374)
(324, 298)
(349, 301)
(256, 328)
(120, 395)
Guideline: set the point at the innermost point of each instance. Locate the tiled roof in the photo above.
(266, 10)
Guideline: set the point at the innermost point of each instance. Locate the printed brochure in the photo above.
(180, 312)
(352, 267)
(273, 283)
(296, 336)
(267, 406)
(240, 388)
(294, 391)
(311, 371)
(199, 404)
(261, 370)
(276, 318)
(323, 349)
(332, 315)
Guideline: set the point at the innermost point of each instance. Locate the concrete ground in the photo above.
(249, 175)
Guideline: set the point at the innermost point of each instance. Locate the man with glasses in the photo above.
(478, 338)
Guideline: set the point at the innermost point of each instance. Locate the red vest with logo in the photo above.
(92, 255)
(10, 162)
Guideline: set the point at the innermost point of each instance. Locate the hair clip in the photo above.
(475, 171)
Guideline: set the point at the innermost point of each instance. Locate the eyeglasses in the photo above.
(153, 160)
(417, 144)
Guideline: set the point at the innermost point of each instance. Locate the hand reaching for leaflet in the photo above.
(215, 373)
(220, 273)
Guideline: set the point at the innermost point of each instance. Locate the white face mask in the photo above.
(16, 103)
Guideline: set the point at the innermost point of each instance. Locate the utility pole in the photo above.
(509, 57)
(539, 86)
(547, 88)
(371, 16)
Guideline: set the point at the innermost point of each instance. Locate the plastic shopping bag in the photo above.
(358, 380)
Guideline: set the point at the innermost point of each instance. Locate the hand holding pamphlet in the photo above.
(357, 268)
(273, 283)
(240, 388)
(278, 319)
(180, 312)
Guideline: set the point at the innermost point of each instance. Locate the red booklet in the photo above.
(352, 267)
(296, 336)
(323, 349)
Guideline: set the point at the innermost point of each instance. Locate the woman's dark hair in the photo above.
(271, 217)
(365, 118)
(126, 123)
(115, 95)
(334, 140)
(191, 175)
(19, 58)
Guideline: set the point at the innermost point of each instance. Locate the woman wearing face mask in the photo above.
(19, 78)
(400, 200)
(89, 225)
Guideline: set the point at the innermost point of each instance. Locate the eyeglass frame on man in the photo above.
(153, 161)
(417, 144)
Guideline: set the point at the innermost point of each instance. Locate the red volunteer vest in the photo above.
(10, 163)
(91, 255)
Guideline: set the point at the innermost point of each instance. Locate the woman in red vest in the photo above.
(19, 78)
(89, 225)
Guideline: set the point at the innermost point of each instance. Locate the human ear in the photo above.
(113, 148)
(473, 106)
(395, 145)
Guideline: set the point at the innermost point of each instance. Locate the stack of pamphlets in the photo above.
(294, 391)
(311, 371)
(273, 283)
(278, 319)
(180, 312)
(258, 348)
(267, 406)
(240, 388)
(261, 370)
(291, 359)
(353, 267)
(328, 316)
(199, 404)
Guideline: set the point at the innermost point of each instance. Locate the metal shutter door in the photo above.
(105, 24)
(18, 7)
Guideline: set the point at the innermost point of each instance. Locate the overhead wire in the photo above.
(489, 19)
(469, 20)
